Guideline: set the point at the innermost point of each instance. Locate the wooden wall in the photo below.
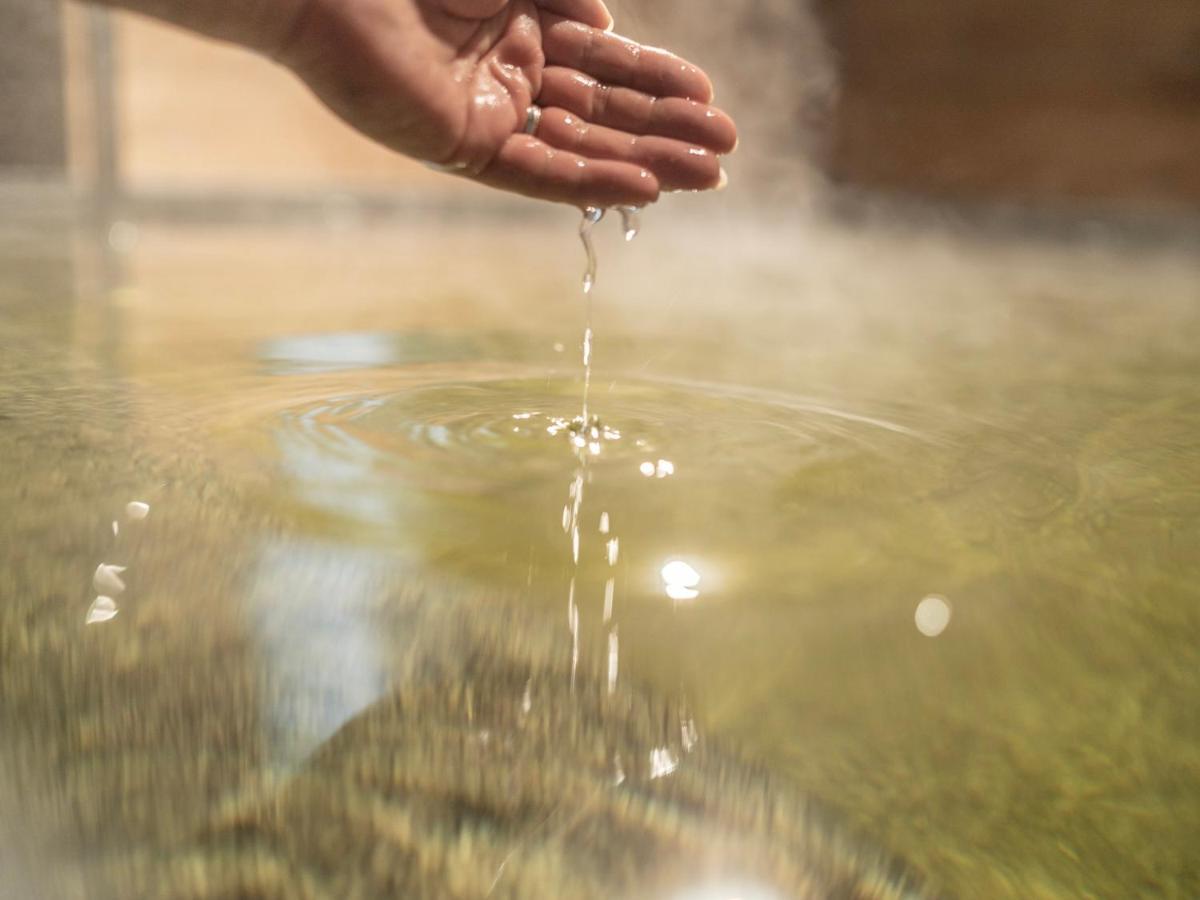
(1031, 101)
(32, 121)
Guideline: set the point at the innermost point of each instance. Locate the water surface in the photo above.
(812, 434)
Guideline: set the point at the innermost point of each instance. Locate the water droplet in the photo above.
(137, 510)
(591, 216)
(604, 523)
(630, 221)
(613, 550)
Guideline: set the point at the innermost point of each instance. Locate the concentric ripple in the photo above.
(485, 431)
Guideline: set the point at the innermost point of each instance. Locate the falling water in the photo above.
(630, 221)
(591, 216)
(587, 433)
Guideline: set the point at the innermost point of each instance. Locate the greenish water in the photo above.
(824, 427)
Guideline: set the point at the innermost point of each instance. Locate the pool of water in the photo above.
(906, 517)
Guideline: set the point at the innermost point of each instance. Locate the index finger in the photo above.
(618, 60)
(589, 12)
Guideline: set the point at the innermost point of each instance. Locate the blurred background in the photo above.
(1044, 104)
(937, 340)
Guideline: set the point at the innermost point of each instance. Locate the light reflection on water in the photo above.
(1010, 466)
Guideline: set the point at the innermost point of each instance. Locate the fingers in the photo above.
(620, 61)
(676, 165)
(637, 113)
(532, 167)
(589, 12)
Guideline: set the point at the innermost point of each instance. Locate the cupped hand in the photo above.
(450, 82)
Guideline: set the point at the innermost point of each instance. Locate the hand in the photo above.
(450, 81)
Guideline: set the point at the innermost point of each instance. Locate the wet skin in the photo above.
(449, 82)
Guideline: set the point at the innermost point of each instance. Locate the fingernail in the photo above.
(737, 142)
(723, 181)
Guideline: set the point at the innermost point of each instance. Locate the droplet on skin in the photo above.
(647, 469)
(137, 510)
(107, 579)
(116, 528)
(102, 610)
(614, 551)
(604, 523)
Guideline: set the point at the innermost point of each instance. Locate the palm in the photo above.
(430, 81)
(485, 75)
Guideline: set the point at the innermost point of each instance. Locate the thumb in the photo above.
(473, 9)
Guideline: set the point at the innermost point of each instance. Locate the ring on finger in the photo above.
(533, 118)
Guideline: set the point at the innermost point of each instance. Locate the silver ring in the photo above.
(533, 118)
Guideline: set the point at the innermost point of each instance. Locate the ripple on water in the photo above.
(480, 433)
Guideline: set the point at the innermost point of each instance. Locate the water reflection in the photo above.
(310, 610)
(107, 579)
(103, 609)
(933, 615)
(680, 581)
(729, 890)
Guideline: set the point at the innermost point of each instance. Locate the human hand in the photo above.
(450, 82)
